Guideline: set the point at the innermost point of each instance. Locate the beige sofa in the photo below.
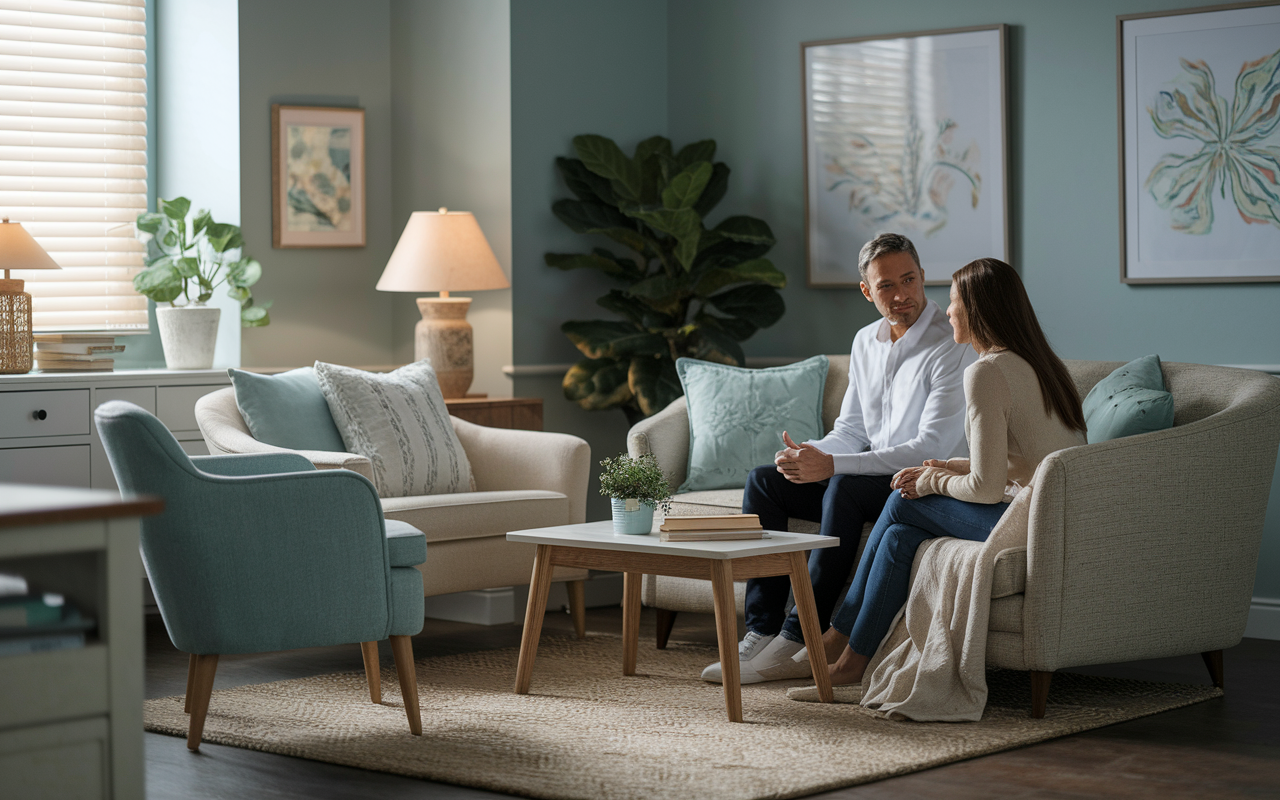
(1141, 547)
(523, 479)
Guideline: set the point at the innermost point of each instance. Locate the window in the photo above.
(73, 154)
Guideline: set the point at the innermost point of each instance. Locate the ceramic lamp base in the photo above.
(15, 328)
(443, 335)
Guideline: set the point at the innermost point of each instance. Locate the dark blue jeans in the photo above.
(842, 506)
(881, 583)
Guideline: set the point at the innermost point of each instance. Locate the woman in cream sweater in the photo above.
(1021, 406)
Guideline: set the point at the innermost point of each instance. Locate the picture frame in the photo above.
(906, 133)
(1186, 215)
(317, 177)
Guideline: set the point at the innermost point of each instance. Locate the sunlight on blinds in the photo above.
(73, 154)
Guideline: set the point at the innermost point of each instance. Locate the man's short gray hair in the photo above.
(883, 245)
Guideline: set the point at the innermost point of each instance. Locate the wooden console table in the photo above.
(524, 413)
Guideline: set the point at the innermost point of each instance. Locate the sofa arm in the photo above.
(666, 435)
(503, 459)
(242, 464)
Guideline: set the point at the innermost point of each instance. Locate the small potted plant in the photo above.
(190, 262)
(636, 487)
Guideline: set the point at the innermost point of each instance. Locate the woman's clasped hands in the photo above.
(905, 481)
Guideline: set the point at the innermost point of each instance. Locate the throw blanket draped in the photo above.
(933, 664)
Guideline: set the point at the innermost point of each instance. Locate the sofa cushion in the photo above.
(1129, 401)
(286, 410)
(407, 545)
(737, 416)
(398, 420)
(474, 515)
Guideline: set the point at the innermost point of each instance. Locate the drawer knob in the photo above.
(41, 414)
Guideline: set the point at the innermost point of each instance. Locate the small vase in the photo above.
(631, 516)
(188, 335)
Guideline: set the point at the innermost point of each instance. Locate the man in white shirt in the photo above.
(905, 403)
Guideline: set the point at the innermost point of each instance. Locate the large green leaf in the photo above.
(150, 222)
(601, 339)
(651, 180)
(202, 221)
(567, 261)
(661, 292)
(760, 305)
(160, 282)
(254, 317)
(598, 383)
(584, 183)
(187, 267)
(223, 236)
(584, 217)
(711, 344)
(726, 252)
(685, 188)
(748, 230)
(758, 270)
(603, 157)
(737, 329)
(244, 273)
(704, 150)
(654, 145)
(175, 209)
(624, 305)
(654, 382)
(684, 224)
(714, 193)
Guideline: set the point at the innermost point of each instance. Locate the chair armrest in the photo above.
(666, 435)
(503, 459)
(252, 464)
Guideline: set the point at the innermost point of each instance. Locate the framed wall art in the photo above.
(317, 176)
(905, 134)
(1199, 109)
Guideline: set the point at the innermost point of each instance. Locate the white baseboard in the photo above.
(505, 605)
(1264, 619)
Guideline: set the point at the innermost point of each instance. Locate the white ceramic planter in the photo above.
(188, 335)
(630, 516)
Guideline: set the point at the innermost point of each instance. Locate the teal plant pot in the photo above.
(639, 520)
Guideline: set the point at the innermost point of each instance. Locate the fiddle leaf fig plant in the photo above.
(682, 288)
(185, 260)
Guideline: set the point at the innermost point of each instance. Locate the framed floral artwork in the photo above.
(317, 176)
(1199, 112)
(905, 134)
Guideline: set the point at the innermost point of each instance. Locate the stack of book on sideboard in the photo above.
(723, 527)
(76, 352)
(32, 622)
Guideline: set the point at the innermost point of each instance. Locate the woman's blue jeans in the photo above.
(881, 583)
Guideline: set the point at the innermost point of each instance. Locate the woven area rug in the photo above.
(585, 731)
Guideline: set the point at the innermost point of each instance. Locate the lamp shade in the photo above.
(442, 251)
(19, 251)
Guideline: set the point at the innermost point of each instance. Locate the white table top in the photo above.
(600, 536)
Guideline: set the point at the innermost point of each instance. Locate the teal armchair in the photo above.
(261, 552)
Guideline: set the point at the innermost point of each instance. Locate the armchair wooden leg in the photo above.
(198, 698)
(191, 681)
(402, 649)
(1213, 660)
(372, 670)
(1039, 692)
(578, 606)
(666, 621)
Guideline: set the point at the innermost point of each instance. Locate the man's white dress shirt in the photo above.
(905, 401)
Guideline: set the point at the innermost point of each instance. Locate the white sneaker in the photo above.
(781, 660)
(748, 648)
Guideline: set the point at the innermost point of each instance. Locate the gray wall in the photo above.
(321, 53)
(451, 146)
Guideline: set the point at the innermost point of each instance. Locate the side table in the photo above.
(523, 413)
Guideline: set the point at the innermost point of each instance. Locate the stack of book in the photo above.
(724, 527)
(76, 352)
(35, 622)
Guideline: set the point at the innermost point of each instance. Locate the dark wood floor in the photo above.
(1225, 748)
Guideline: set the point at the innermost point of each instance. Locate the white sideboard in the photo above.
(47, 435)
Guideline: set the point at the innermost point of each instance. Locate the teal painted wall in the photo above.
(577, 66)
(734, 74)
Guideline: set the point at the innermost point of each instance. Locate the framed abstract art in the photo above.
(905, 134)
(317, 177)
(1199, 113)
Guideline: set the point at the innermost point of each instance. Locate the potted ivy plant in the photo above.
(189, 262)
(636, 487)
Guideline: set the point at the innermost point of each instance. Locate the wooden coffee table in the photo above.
(594, 545)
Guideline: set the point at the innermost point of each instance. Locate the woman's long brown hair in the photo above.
(1000, 315)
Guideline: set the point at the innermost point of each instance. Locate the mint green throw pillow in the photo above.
(287, 410)
(737, 416)
(1129, 401)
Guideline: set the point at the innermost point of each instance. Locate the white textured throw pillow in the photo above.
(398, 420)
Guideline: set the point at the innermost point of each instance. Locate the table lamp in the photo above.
(17, 251)
(443, 251)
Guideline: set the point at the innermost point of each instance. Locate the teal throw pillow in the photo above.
(1129, 401)
(287, 410)
(737, 416)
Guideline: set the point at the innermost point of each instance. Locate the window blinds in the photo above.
(73, 154)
